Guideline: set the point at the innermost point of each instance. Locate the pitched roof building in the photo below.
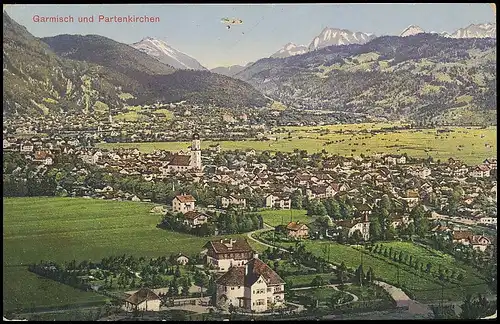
(224, 254)
(143, 299)
(252, 287)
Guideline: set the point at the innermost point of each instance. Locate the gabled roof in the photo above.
(185, 198)
(461, 235)
(295, 226)
(476, 240)
(254, 270)
(180, 160)
(192, 215)
(225, 246)
(142, 295)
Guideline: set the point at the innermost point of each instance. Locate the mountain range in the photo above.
(230, 70)
(336, 36)
(166, 54)
(419, 77)
(74, 73)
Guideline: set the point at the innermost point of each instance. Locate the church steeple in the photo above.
(196, 152)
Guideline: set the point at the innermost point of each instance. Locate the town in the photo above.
(348, 200)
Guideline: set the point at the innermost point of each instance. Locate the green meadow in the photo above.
(63, 229)
(470, 144)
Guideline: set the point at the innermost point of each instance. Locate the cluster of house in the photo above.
(243, 280)
(465, 237)
(354, 177)
(246, 282)
(185, 204)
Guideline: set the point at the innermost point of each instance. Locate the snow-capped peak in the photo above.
(336, 36)
(290, 49)
(411, 30)
(166, 54)
(477, 31)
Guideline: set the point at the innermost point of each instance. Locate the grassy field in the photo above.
(282, 217)
(423, 287)
(324, 296)
(306, 280)
(62, 229)
(469, 144)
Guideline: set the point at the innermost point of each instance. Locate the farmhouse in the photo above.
(278, 201)
(252, 287)
(182, 259)
(224, 254)
(362, 225)
(461, 237)
(195, 219)
(143, 299)
(297, 230)
(481, 171)
(183, 203)
(233, 200)
(479, 242)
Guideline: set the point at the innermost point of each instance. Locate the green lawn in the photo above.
(62, 229)
(367, 293)
(423, 287)
(476, 144)
(283, 217)
(324, 296)
(306, 280)
(167, 113)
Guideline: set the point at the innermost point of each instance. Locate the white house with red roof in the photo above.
(227, 253)
(251, 287)
(183, 203)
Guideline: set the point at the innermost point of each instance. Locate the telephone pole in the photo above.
(398, 276)
(291, 212)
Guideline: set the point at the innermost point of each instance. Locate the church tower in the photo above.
(196, 152)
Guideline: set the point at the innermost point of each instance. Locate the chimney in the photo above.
(255, 255)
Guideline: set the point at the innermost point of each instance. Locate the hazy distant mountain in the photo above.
(411, 30)
(477, 31)
(290, 49)
(230, 70)
(335, 36)
(167, 54)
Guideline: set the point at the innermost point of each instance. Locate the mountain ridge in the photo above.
(418, 76)
(166, 54)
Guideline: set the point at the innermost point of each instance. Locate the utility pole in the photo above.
(291, 212)
(398, 276)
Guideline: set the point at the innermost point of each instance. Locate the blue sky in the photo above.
(197, 31)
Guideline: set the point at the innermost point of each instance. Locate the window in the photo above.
(269, 289)
(239, 287)
(232, 288)
(261, 302)
(225, 288)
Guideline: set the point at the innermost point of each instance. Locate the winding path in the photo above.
(400, 297)
(355, 298)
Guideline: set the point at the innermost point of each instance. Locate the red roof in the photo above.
(144, 294)
(239, 245)
(192, 215)
(180, 160)
(249, 274)
(185, 198)
(295, 226)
